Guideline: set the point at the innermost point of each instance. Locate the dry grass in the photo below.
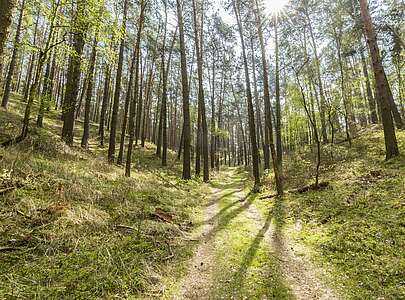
(73, 226)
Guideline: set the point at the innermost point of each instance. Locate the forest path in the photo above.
(243, 254)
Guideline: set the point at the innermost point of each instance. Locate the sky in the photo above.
(271, 7)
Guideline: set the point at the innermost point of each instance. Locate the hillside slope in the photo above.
(355, 228)
(72, 225)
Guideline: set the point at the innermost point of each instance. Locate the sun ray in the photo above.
(274, 7)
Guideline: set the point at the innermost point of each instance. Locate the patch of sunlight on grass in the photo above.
(78, 228)
(355, 228)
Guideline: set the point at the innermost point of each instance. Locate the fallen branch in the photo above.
(22, 214)
(311, 187)
(126, 227)
(165, 180)
(6, 190)
(5, 249)
(268, 196)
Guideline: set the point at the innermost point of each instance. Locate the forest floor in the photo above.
(72, 226)
(243, 254)
(342, 242)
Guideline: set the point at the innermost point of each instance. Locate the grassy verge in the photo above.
(72, 226)
(355, 229)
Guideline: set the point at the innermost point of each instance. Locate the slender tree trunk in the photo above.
(186, 96)
(33, 94)
(381, 83)
(370, 98)
(165, 72)
(319, 78)
(73, 80)
(45, 97)
(259, 131)
(117, 92)
(213, 128)
(104, 104)
(163, 109)
(6, 12)
(28, 77)
(394, 109)
(252, 129)
(89, 95)
(140, 103)
(279, 145)
(338, 37)
(126, 108)
(46, 91)
(269, 124)
(7, 89)
(132, 111)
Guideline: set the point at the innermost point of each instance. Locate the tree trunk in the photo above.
(7, 89)
(28, 77)
(126, 108)
(370, 98)
(279, 145)
(6, 12)
(269, 124)
(381, 83)
(33, 93)
(252, 129)
(117, 92)
(104, 104)
(132, 111)
(186, 97)
(319, 78)
(89, 95)
(73, 80)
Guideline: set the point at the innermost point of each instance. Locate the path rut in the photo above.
(197, 283)
(301, 275)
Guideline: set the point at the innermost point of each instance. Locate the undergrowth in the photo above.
(72, 226)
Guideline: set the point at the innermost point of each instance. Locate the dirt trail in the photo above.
(299, 274)
(197, 283)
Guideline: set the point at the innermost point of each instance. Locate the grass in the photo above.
(77, 228)
(355, 229)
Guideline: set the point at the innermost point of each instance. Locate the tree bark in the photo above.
(252, 129)
(89, 95)
(186, 96)
(381, 82)
(73, 79)
(6, 11)
(7, 88)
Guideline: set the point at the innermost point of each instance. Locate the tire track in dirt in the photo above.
(197, 284)
(301, 275)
